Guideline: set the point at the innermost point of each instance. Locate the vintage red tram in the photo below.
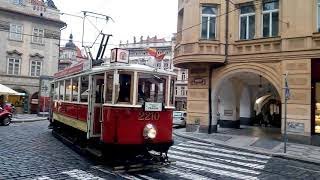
(120, 107)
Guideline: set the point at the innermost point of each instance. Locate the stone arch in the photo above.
(226, 72)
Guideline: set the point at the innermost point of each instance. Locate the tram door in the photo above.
(96, 105)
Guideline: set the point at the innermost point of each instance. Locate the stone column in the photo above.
(299, 105)
(198, 98)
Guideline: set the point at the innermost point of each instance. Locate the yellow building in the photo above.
(237, 53)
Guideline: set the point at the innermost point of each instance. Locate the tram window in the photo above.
(61, 90)
(125, 88)
(75, 86)
(109, 87)
(151, 88)
(84, 89)
(56, 91)
(68, 90)
(172, 92)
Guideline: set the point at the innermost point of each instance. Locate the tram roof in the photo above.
(116, 66)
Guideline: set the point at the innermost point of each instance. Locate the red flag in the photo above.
(153, 52)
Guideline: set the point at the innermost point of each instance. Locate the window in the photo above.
(17, 2)
(84, 89)
(124, 94)
(13, 66)
(67, 92)
(16, 32)
(61, 90)
(35, 68)
(56, 91)
(183, 76)
(318, 19)
(151, 88)
(159, 65)
(74, 89)
(172, 92)
(247, 22)
(166, 65)
(270, 18)
(208, 21)
(109, 87)
(38, 35)
(183, 92)
(176, 90)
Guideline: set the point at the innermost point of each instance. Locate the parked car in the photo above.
(179, 118)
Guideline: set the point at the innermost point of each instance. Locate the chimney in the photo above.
(134, 40)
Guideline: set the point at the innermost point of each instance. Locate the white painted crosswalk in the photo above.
(190, 160)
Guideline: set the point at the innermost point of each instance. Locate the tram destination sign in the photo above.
(152, 106)
(119, 55)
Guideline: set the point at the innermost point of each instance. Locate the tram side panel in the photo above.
(74, 115)
(126, 125)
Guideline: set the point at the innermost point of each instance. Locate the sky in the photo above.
(131, 18)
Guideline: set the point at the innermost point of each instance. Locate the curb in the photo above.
(277, 155)
(28, 120)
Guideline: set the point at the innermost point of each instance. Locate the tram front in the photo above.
(137, 114)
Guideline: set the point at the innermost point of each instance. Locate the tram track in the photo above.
(114, 166)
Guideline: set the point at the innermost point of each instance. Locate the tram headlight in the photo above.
(149, 132)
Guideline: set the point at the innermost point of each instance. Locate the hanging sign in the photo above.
(119, 55)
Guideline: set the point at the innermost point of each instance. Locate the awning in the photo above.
(4, 90)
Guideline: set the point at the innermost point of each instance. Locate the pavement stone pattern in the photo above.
(16, 118)
(29, 151)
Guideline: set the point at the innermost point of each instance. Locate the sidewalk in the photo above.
(21, 118)
(300, 152)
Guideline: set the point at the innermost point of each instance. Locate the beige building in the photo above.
(29, 47)
(237, 55)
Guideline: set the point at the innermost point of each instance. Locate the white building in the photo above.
(29, 46)
(138, 54)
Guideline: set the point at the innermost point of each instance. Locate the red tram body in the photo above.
(124, 107)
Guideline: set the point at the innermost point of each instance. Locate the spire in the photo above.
(71, 38)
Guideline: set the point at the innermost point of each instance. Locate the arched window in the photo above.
(183, 76)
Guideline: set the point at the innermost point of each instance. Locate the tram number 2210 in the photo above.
(149, 116)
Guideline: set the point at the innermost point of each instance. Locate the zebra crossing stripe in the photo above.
(185, 175)
(214, 171)
(81, 175)
(125, 176)
(146, 177)
(214, 164)
(43, 178)
(251, 165)
(189, 149)
(210, 147)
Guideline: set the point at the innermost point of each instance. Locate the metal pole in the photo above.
(285, 123)
(286, 97)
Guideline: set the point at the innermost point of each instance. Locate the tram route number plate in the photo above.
(149, 116)
(151, 106)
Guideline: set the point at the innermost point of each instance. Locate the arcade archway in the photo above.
(244, 99)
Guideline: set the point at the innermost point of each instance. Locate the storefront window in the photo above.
(317, 108)
(151, 88)
(74, 88)
(84, 89)
(109, 87)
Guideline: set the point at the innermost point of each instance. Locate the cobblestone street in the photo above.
(29, 151)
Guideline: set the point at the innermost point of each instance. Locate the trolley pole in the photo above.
(287, 97)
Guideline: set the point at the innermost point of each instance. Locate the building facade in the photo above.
(138, 54)
(237, 54)
(70, 54)
(29, 41)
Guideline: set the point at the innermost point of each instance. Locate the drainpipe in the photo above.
(213, 127)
